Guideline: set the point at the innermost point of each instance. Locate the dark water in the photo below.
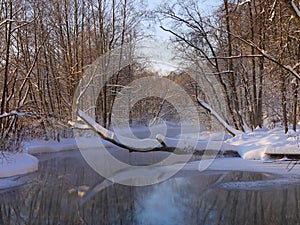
(210, 197)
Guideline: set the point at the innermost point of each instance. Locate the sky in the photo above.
(158, 52)
(158, 56)
(207, 7)
(207, 4)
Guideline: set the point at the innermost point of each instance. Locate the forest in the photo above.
(252, 48)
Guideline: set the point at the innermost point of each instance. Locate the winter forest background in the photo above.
(252, 47)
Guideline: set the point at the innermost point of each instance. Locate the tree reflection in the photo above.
(53, 198)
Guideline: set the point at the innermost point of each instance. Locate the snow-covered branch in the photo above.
(262, 52)
(219, 118)
(236, 56)
(244, 2)
(16, 113)
(80, 126)
(4, 22)
(140, 145)
(268, 56)
(294, 7)
(297, 65)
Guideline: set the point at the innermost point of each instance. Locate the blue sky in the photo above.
(207, 4)
(207, 7)
(157, 51)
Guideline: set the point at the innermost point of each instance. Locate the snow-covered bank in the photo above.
(17, 164)
(253, 145)
(250, 145)
(42, 146)
(51, 146)
(239, 164)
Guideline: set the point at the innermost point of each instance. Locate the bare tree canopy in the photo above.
(251, 47)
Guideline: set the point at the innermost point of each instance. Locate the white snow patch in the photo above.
(239, 164)
(16, 164)
(51, 146)
(253, 145)
(42, 146)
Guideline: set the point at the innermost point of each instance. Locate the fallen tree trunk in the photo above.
(133, 145)
(161, 143)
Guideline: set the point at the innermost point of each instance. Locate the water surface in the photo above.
(191, 197)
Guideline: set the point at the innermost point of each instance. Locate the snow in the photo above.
(239, 164)
(131, 143)
(243, 3)
(254, 145)
(163, 69)
(251, 145)
(16, 164)
(51, 146)
(201, 145)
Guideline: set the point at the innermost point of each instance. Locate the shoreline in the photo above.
(223, 165)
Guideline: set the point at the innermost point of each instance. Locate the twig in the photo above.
(16, 113)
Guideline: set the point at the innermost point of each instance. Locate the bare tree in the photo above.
(245, 33)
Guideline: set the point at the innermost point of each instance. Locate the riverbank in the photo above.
(251, 146)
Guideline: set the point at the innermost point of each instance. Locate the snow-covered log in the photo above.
(139, 145)
(219, 118)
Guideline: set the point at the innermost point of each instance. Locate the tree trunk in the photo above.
(238, 119)
(8, 32)
(284, 104)
(295, 103)
(254, 88)
(261, 71)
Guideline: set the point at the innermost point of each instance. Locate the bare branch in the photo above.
(221, 73)
(189, 43)
(244, 2)
(236, 57)
(263, 52)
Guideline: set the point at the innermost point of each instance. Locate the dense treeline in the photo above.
(45, 46)
(252, 47)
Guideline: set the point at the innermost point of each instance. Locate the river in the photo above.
(53, 194)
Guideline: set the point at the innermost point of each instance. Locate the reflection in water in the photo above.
(159, 205)
(190, 198)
